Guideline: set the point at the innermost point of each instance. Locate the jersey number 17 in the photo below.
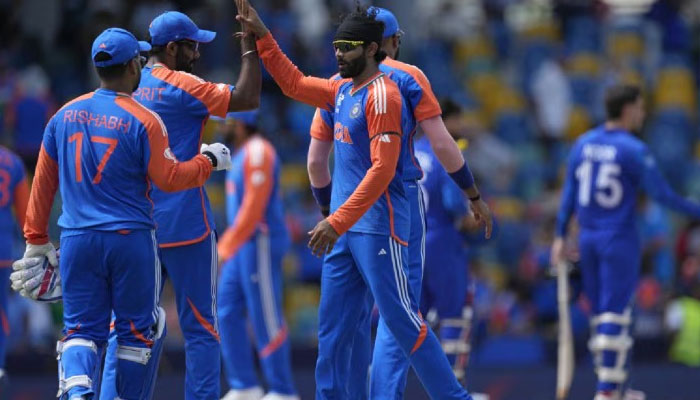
(78, 139)
(606, 188)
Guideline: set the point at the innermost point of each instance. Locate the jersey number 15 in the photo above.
(607, 189)
(78, 139)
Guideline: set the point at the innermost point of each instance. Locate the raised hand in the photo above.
(249, 19)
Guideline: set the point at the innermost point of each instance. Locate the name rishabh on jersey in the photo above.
(184, 102)
(101, 146)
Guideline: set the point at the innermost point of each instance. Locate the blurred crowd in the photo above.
(529, 75)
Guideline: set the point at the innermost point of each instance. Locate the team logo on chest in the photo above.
(355, 111)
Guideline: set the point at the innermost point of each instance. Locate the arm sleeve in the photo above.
(258, 170)
(384, 125)
(162, 167)
(44, 188)
(204, 97)
(658, 188)
(425, 104)
(568, 197)
(310, 90)
(165, 170)
(443, 145)
(322, 125)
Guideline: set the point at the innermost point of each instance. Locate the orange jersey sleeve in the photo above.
(383, 113)
(163, 168)
(215, 96)
(320, 129)
(258, 170)
(20, 201)
(310, 90)
(36, 226)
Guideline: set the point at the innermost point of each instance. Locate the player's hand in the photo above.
(323, 238)
(250, 19)
(218, 154)
(556, 255)
(35, 278)
(42, 250)
(468, 224)
(482, 213)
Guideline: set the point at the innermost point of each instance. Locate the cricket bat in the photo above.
(565, 351)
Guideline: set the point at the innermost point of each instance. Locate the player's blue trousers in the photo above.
(389, 363)
(359, 263)
(250, 291)
(104, 272)
(192, 269)
(610, 262)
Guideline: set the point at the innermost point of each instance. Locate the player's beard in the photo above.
(183, 63)
(353, 68)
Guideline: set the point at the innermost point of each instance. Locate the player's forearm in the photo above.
(442, 143)
(176, 176)
(246, 95)
(294, 84)
(372, 186)
(41, 198)
(317, 163)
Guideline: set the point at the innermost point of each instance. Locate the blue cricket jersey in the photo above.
(605, 170)
(184, 102)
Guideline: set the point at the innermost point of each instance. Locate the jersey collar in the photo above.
(376, 76)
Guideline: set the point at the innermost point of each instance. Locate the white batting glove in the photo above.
(218, 154)
(35, 278)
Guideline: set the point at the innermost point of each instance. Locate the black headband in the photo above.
(360, 28)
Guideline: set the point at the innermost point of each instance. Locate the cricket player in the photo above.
(103, 150)
(390, 366)
(606, 168)
(14, 194)
(185, 224)
(365, 236)
(251, 249)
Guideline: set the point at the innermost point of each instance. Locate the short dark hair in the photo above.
(113, 71)
(449, 107)
(619, 96)
(156, 50)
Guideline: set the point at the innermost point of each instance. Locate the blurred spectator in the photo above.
(683, 319)
(551, 94)
(28, 112)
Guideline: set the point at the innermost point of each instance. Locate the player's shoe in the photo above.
(254, 393)
(277, 396)
(480, 396)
